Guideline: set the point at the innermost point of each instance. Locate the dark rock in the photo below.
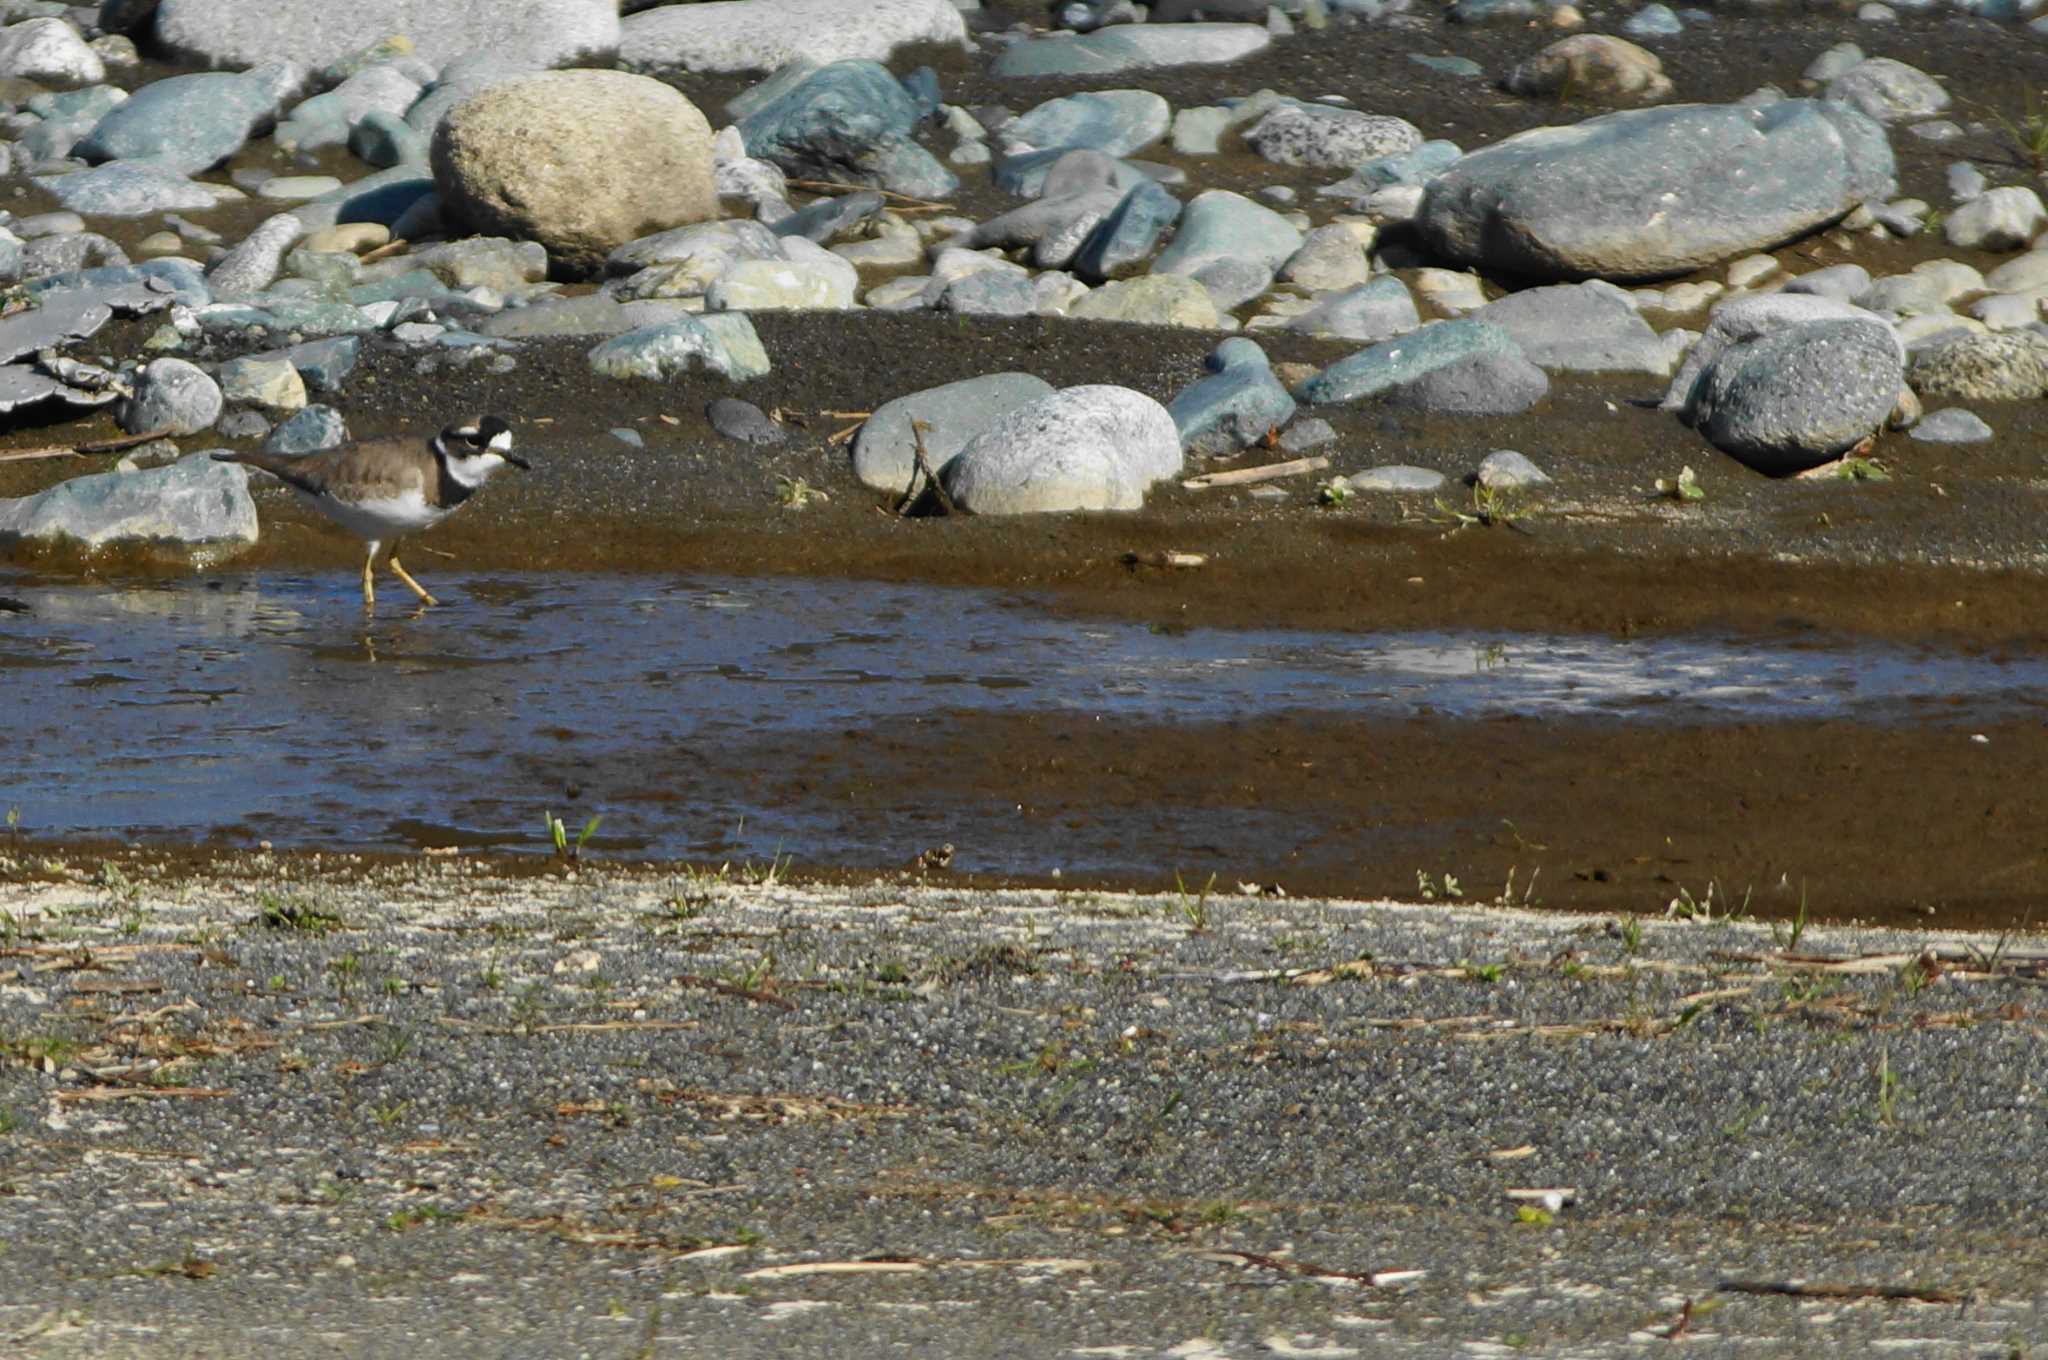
(744, 423)
(1481, 385)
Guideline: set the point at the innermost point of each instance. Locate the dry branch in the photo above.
(1796, 1289)
(97, 1093)
(833, 187)
(1293, 467)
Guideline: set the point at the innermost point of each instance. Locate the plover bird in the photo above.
(382, 489)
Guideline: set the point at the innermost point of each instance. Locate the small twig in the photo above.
(1293, 467)
(385, 251)
(1796, 1290)
(114, 445)
(1682, 1326)
(139, 1093)
(924, 465)
(838, 437)
(124, 441)
(1165, 557)
(1374, 1278)
(799, 1269)
(826, 186)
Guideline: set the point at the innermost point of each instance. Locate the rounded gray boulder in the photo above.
(1082, 448)
(1794, 399)
(885, 453)
(1648, 193)
(172, 397)
(1481, 385)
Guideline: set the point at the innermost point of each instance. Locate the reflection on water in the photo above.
(270, 709)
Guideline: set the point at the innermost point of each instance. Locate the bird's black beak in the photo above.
(516, 461)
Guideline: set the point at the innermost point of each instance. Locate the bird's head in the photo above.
(475, 449)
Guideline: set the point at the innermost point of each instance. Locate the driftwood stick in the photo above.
(1293, 467)
(1796, 1290)
(826, 186)
(924, 465)
(1165, 557)
(114, 445)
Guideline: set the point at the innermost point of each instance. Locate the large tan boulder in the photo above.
(580, 161)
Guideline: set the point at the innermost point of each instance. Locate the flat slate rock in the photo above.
(188, 123)
(1395, 363)
(592, 314)
(1398, 477)
(127, 189)
(21, 386)
(1952, 426)
(194, 501)
(62, 318)
(725, 344)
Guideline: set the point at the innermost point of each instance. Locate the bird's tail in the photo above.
(278, 466)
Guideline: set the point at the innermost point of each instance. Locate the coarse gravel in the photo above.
(319, 1105)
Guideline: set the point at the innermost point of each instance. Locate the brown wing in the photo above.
(369, 471)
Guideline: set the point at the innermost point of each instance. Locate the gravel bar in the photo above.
(320, 1106)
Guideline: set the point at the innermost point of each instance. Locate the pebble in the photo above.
(298, 188)
(1965, 181)
(1654, 21)
(745, 423)
(1951, 426)
(1507, 469)
(1398, 477)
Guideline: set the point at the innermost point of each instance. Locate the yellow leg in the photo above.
(406, 577)
(369, 590)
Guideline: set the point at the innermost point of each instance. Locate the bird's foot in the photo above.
(416, 587)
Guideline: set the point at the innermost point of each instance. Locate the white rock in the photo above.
(243, 33)
(780, 285)
(2019, 275)
(761, 35)
(1083, 448)
(2008, 311)
(1749, 269)
(1449, 290)
(1914, 331)
(1998, 219)
(49, 49)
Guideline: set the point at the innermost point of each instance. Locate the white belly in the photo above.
(389, 517)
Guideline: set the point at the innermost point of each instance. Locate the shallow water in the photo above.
(270, 710)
